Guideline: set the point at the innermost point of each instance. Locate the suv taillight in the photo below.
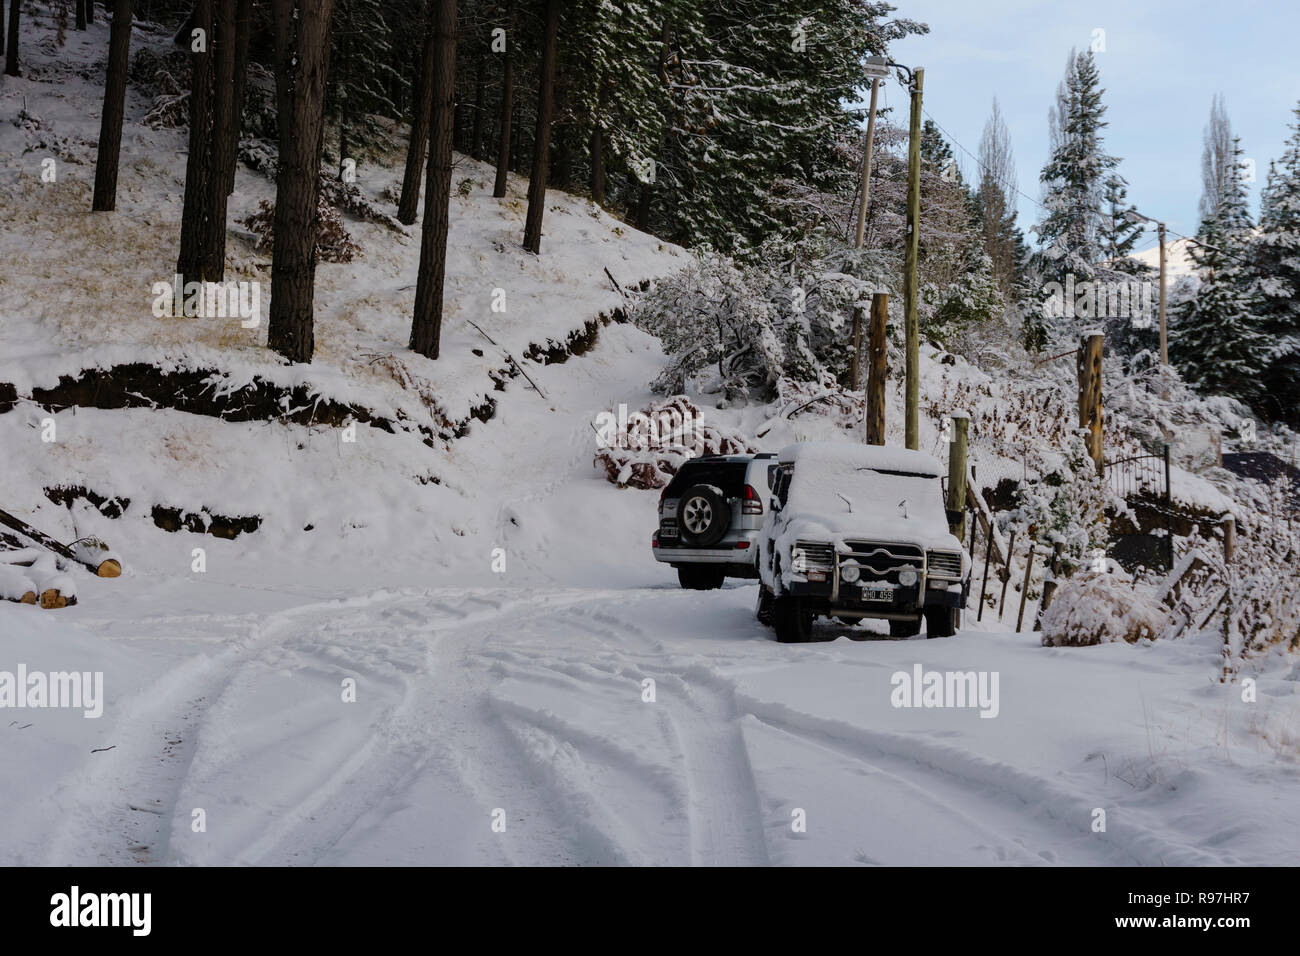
(753, 504)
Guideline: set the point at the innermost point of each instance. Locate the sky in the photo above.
(1161, 64)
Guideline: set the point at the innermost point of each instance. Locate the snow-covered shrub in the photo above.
(1101, 608)
(646, 448)
(971, 300)
(739, 328)
(1067, 504)
(333, 244)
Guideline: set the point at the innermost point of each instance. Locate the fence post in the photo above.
(1090, 413)
(1229, 538)
(988, 555)
(1051, 584)
(957, 474)
(1024, 588)
(1169, 511)
(1006, 573)
(877, 369)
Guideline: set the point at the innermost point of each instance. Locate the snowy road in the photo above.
(493, 725)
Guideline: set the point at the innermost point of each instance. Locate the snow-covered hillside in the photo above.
(452, 645)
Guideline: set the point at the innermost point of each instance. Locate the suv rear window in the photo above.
(726, 475)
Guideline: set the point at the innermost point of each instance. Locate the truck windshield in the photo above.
(840, 489)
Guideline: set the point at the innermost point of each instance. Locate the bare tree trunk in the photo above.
(243, 36)
(542, 145)
(11, 51)
(110, 121)
(480, 98)
(224, 139)
(302, 52)
(426, 325)
(643, 208)
(422, 108)
(505, 116)
(2, 24)
(90, 11)
(81, 13)
(198, 166)
(598, 150)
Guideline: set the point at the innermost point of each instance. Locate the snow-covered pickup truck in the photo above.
(857, 531)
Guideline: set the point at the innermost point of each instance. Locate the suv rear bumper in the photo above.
(729, 553)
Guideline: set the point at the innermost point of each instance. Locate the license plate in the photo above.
(877, 594)
(667, 532)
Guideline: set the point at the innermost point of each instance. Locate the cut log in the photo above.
(90, 553)
(51, 598)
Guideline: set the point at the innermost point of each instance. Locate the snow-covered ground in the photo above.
(483, 696)
(472, 657)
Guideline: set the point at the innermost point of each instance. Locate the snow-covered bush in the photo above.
(1067, 504)
(1094, 608)
(333, 244)
(739, 329)
(646, 448)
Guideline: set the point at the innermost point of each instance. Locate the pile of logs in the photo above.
(37, 569)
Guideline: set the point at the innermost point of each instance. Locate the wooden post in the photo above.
(1090, 411)
(1164, 327)
(988, 556)
(864, 193)
(877, 369)
(957, 474)
(1024, 588)
(910, 327)
(855, 374)
(1006, 573)
(1229, 538)
(1051, 584)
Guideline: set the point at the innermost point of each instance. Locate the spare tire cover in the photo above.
(703, 515)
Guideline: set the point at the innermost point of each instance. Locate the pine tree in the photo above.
(1074, 175)
(302, 46)
(1217, 343)
(1277, 259)
(110, 126)
(361, 75)
(1216, 158)
(1118, 233)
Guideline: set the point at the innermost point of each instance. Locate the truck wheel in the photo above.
(908, 628)
(763, 610)
(700, 577)
(703, 516)
(792, 620)
(940, 621)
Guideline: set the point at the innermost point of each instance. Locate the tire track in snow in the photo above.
(723, 806)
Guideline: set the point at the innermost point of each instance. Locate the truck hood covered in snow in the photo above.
(856, 492)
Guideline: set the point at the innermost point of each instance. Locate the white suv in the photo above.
(859, 531)
(710, 516)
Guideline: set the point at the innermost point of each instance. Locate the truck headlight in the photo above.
(850, 571)
(907, 578)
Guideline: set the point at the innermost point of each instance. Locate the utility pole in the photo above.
(1164, 325)
(910, 328)
(865, 194)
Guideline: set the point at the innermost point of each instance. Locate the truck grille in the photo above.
(945, 564)
(882, 562)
